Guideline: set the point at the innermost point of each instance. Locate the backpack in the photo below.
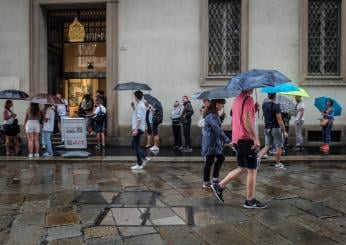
(100, 117)
(158, 117)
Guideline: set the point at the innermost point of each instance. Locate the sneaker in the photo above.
(272, 152)
(265, 156)
(279, 166)
(217, 192)
(254, 204)
(97, 146)
(31, 156)
(36, 155)
(298, 148)
(215, 180)
(206, 185)
(180, 148)
(188, 149)
(145, 161)
(46, 154)
(154, 148)
(137, 167)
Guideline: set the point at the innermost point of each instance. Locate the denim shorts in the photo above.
(99, 128)
(274, 137)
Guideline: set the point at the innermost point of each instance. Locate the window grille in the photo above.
(224, 37)
(324, 36)
(93, 20)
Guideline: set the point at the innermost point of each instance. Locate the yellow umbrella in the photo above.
(301, 92)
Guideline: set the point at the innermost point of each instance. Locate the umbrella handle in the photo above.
(258, 115)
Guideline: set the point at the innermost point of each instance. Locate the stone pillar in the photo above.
(112, 68)
(38, 49)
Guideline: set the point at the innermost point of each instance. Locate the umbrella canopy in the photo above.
(13, 94)
(321, 105)
(301, 92)
(217, 93)
(256, 78)
(286, 105)
(131, 86)
(285, 87)
(44, 99)
(153, 101)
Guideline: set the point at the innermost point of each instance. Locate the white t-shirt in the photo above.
(100, 108)
(139, 114)
(49, 125)
(300, 106)
(61, 108)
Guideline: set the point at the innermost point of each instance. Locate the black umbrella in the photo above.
(132, 86)
(216, 93)
(13, 94)
(153, 101)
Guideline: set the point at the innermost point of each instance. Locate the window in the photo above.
(224, 37)
(324, 37)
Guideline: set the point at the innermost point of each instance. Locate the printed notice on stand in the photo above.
(74, 133)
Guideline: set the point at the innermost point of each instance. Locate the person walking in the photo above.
(32, 120)
(274, 129)
(213, 141)
(247, 143)
(176, 126)
(47, 129)
(327, 125)
(99, 116)
(186, 122)
(11, 128)
(138, 127)
(299, 122)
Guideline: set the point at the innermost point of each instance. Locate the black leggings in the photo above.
(209, 161)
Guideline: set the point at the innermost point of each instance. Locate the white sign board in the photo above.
(74, 133)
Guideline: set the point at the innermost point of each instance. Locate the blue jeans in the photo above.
(47, 141)
(136, 145)
(326, 133)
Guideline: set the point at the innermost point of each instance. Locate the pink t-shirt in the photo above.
(238, 127)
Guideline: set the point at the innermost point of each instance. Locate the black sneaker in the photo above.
(254, 204)
(217, 192)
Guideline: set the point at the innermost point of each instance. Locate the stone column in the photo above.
(112, 68)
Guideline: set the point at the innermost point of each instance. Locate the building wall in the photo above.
(14, 49)
(160, 44)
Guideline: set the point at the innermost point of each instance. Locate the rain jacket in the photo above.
(187, 113)
(213, 138)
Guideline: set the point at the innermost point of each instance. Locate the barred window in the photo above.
(224, 43)
(324, 36)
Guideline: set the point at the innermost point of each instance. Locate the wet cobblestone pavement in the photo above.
(105, 203)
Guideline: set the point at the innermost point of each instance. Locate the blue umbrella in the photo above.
(285, 87)
(321, 105)
(256, 78)
(217, 93)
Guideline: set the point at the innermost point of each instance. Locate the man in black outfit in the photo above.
(186, 121)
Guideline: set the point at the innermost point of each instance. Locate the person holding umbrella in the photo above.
(138, 128)
(11, 128)
(32, 128)
(299, 122)
(327, 125)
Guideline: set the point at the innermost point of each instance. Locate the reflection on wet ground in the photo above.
(105, 203)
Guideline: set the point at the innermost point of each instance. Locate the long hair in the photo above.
(34, 109)
(212, 107)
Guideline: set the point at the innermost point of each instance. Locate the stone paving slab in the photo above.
(74, 203)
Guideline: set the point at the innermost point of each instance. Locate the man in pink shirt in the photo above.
(245, 138)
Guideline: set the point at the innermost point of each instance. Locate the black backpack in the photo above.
(158, 117)
(100, 116)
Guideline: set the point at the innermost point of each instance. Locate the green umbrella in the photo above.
(301, 92)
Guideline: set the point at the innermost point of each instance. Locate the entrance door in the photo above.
(76, 67)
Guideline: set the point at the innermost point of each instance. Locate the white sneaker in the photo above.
(46, 154)
(154, 148)
(36, 155)
(279, 166)
(137, 167)
(145, 161)
(31, 155)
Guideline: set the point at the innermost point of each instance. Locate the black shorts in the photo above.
(149, 129)
(249, 161)
(155, 128)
